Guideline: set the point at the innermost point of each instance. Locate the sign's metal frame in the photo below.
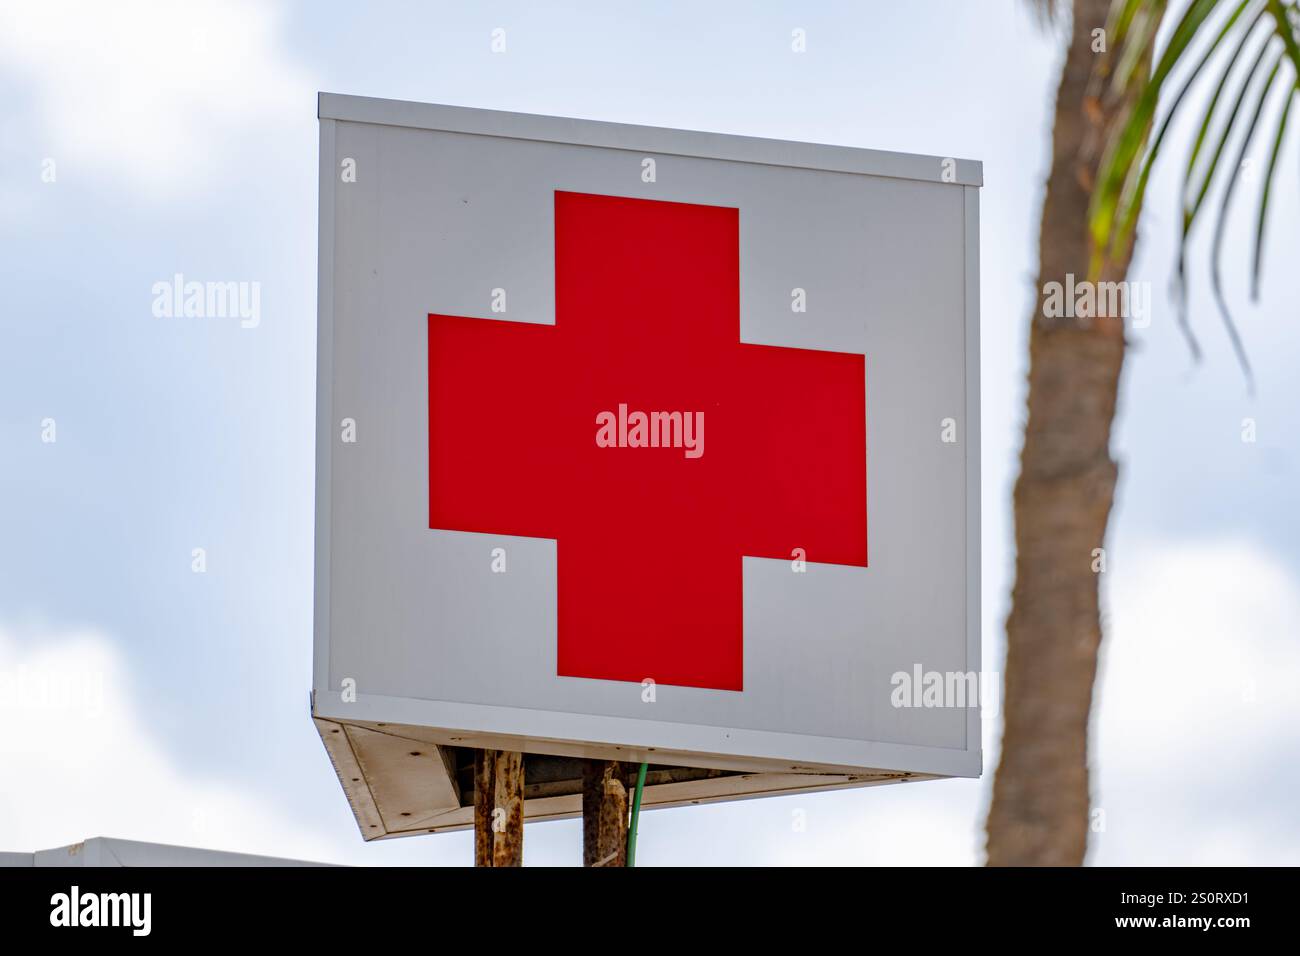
(781, 758)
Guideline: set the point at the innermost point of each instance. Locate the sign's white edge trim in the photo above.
(653, 140)
(324, 406)
(974, 553)
(655, 740)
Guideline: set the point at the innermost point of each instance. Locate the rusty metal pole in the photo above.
(498, 808)
(604, 814)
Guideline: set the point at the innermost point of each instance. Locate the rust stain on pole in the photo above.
(498, 808)
(604, 814)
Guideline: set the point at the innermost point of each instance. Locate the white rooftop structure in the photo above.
(110, 852)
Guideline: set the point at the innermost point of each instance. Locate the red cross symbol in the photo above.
(649, 540)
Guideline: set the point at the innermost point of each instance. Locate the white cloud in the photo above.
(80, 762)
(162, 95)
(932, 823)
(1198, 731)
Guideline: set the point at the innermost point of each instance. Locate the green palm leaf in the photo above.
(1205, 31)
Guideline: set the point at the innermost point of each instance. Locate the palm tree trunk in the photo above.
(1040, 808)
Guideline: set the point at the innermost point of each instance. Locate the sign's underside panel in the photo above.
(400, 782)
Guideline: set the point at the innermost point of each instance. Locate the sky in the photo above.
(139, 140)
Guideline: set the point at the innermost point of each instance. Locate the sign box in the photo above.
(639, 444)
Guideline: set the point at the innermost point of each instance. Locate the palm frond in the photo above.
(1218, 31)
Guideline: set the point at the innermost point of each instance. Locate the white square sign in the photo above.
(641, 444)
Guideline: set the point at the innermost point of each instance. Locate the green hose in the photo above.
(636, 812)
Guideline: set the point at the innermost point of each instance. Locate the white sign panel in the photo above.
(645, 444)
